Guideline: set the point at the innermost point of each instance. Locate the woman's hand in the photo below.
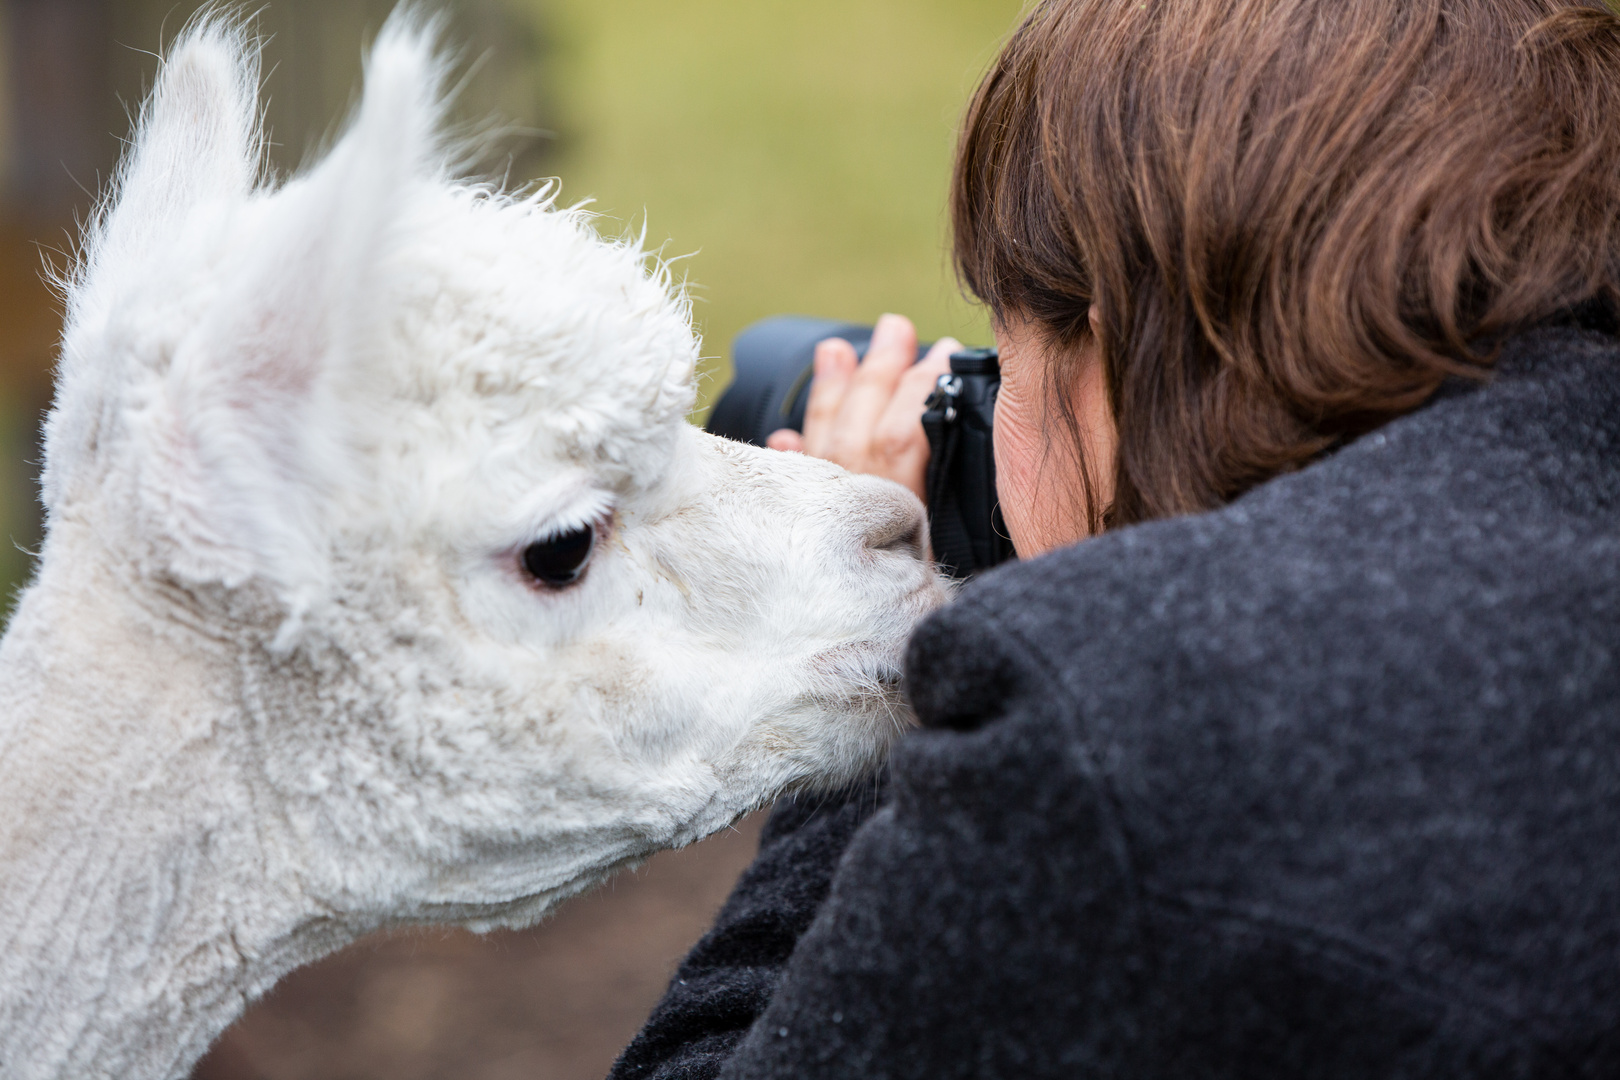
(867, 416)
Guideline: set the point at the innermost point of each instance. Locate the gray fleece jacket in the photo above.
(1323, 784)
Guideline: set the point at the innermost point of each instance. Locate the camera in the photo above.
(774, 361)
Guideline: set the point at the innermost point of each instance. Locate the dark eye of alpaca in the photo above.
(560, 560)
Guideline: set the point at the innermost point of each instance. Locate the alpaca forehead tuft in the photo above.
(510, 319)
(492, 295)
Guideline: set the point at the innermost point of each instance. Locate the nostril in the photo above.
(904, 532)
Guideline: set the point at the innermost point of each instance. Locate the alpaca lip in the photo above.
(865, 662)
(933, 594)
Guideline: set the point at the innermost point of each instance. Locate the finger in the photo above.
(893, 348)
(899, 441)
(785, 439)
(834, 368)
(917, 383)
(890, 356)
(940, 353)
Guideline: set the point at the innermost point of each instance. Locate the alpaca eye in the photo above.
(560, 560)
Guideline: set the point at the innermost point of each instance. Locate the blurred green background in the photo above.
(801, 151)
(795, 155)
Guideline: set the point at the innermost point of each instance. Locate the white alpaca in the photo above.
(384, 582)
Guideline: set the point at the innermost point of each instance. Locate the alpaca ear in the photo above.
(253, 389)
(286, 314)
(197, 141)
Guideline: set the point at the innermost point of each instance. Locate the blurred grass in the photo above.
(800, 154)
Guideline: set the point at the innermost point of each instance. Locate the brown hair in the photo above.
(1295, 217)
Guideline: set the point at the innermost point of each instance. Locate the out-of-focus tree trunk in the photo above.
(57, 125)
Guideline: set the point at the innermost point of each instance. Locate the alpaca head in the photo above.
(415, 450)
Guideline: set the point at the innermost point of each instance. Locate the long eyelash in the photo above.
(596, 506)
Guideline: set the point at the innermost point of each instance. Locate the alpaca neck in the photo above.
(141, 899)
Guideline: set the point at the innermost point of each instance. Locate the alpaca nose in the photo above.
(895, 521)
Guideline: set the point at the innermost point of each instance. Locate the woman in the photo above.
(1309, 764)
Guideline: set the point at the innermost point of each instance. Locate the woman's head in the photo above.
(1288, 220)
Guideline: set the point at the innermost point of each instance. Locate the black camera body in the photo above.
(964, 515)
(774, 361)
